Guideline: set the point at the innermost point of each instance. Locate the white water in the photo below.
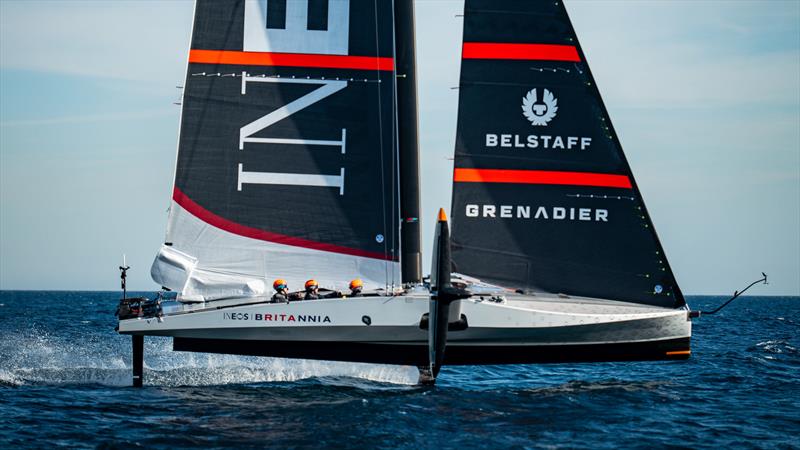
(38, 358)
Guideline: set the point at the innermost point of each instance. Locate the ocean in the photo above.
(65, 376)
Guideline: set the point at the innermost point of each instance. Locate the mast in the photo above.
(405, 57)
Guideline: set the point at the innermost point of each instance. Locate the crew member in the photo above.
(282, 294)
(356, 286)
(312, 291)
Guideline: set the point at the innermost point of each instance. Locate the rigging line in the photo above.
(466, 84)
(380, 136)
(602, 196)
(736, 295)
(395, 230)
(300, 77)
(549, 69)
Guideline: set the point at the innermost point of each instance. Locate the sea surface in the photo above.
(65, 376)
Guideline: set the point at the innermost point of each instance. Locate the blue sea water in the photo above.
(64, 377)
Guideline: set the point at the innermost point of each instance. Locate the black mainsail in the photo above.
(543, 197)
(287, 162)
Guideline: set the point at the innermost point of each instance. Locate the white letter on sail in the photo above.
(327, 88)
(295, 37)
(292, 179)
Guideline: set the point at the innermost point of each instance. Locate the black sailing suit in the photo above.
(315, 295)
(280, 297)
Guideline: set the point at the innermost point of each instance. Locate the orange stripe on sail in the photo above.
(541, 177)
(290, 60)
(526, 52)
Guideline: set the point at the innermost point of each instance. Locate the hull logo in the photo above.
(539, 113)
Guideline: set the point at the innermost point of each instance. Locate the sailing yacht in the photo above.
(298, 158)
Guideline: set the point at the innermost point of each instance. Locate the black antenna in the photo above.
(736, 295)
(123, 275)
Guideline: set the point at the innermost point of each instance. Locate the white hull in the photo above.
(580, 324)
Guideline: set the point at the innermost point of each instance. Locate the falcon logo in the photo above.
(539, 113)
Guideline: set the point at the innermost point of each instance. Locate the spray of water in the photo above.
(38, 358)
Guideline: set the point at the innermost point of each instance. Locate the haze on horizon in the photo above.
(705, 96)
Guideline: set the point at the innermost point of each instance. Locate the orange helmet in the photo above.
(356, 284)
(311, 284)
(279, 284)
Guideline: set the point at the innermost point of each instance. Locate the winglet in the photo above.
(442, 215)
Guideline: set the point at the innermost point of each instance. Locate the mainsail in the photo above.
(543, 197)
(287, 160)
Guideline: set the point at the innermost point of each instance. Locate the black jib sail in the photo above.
(287, 163)
(543, 197)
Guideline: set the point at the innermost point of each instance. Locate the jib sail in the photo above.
(543, 197)
(287, 164)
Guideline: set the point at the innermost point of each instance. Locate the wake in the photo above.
(39, 359)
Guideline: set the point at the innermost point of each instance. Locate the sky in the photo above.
(705, 97)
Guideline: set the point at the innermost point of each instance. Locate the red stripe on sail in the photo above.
(255, 233)
(291, 60)
(529, 52)
(541, 177)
